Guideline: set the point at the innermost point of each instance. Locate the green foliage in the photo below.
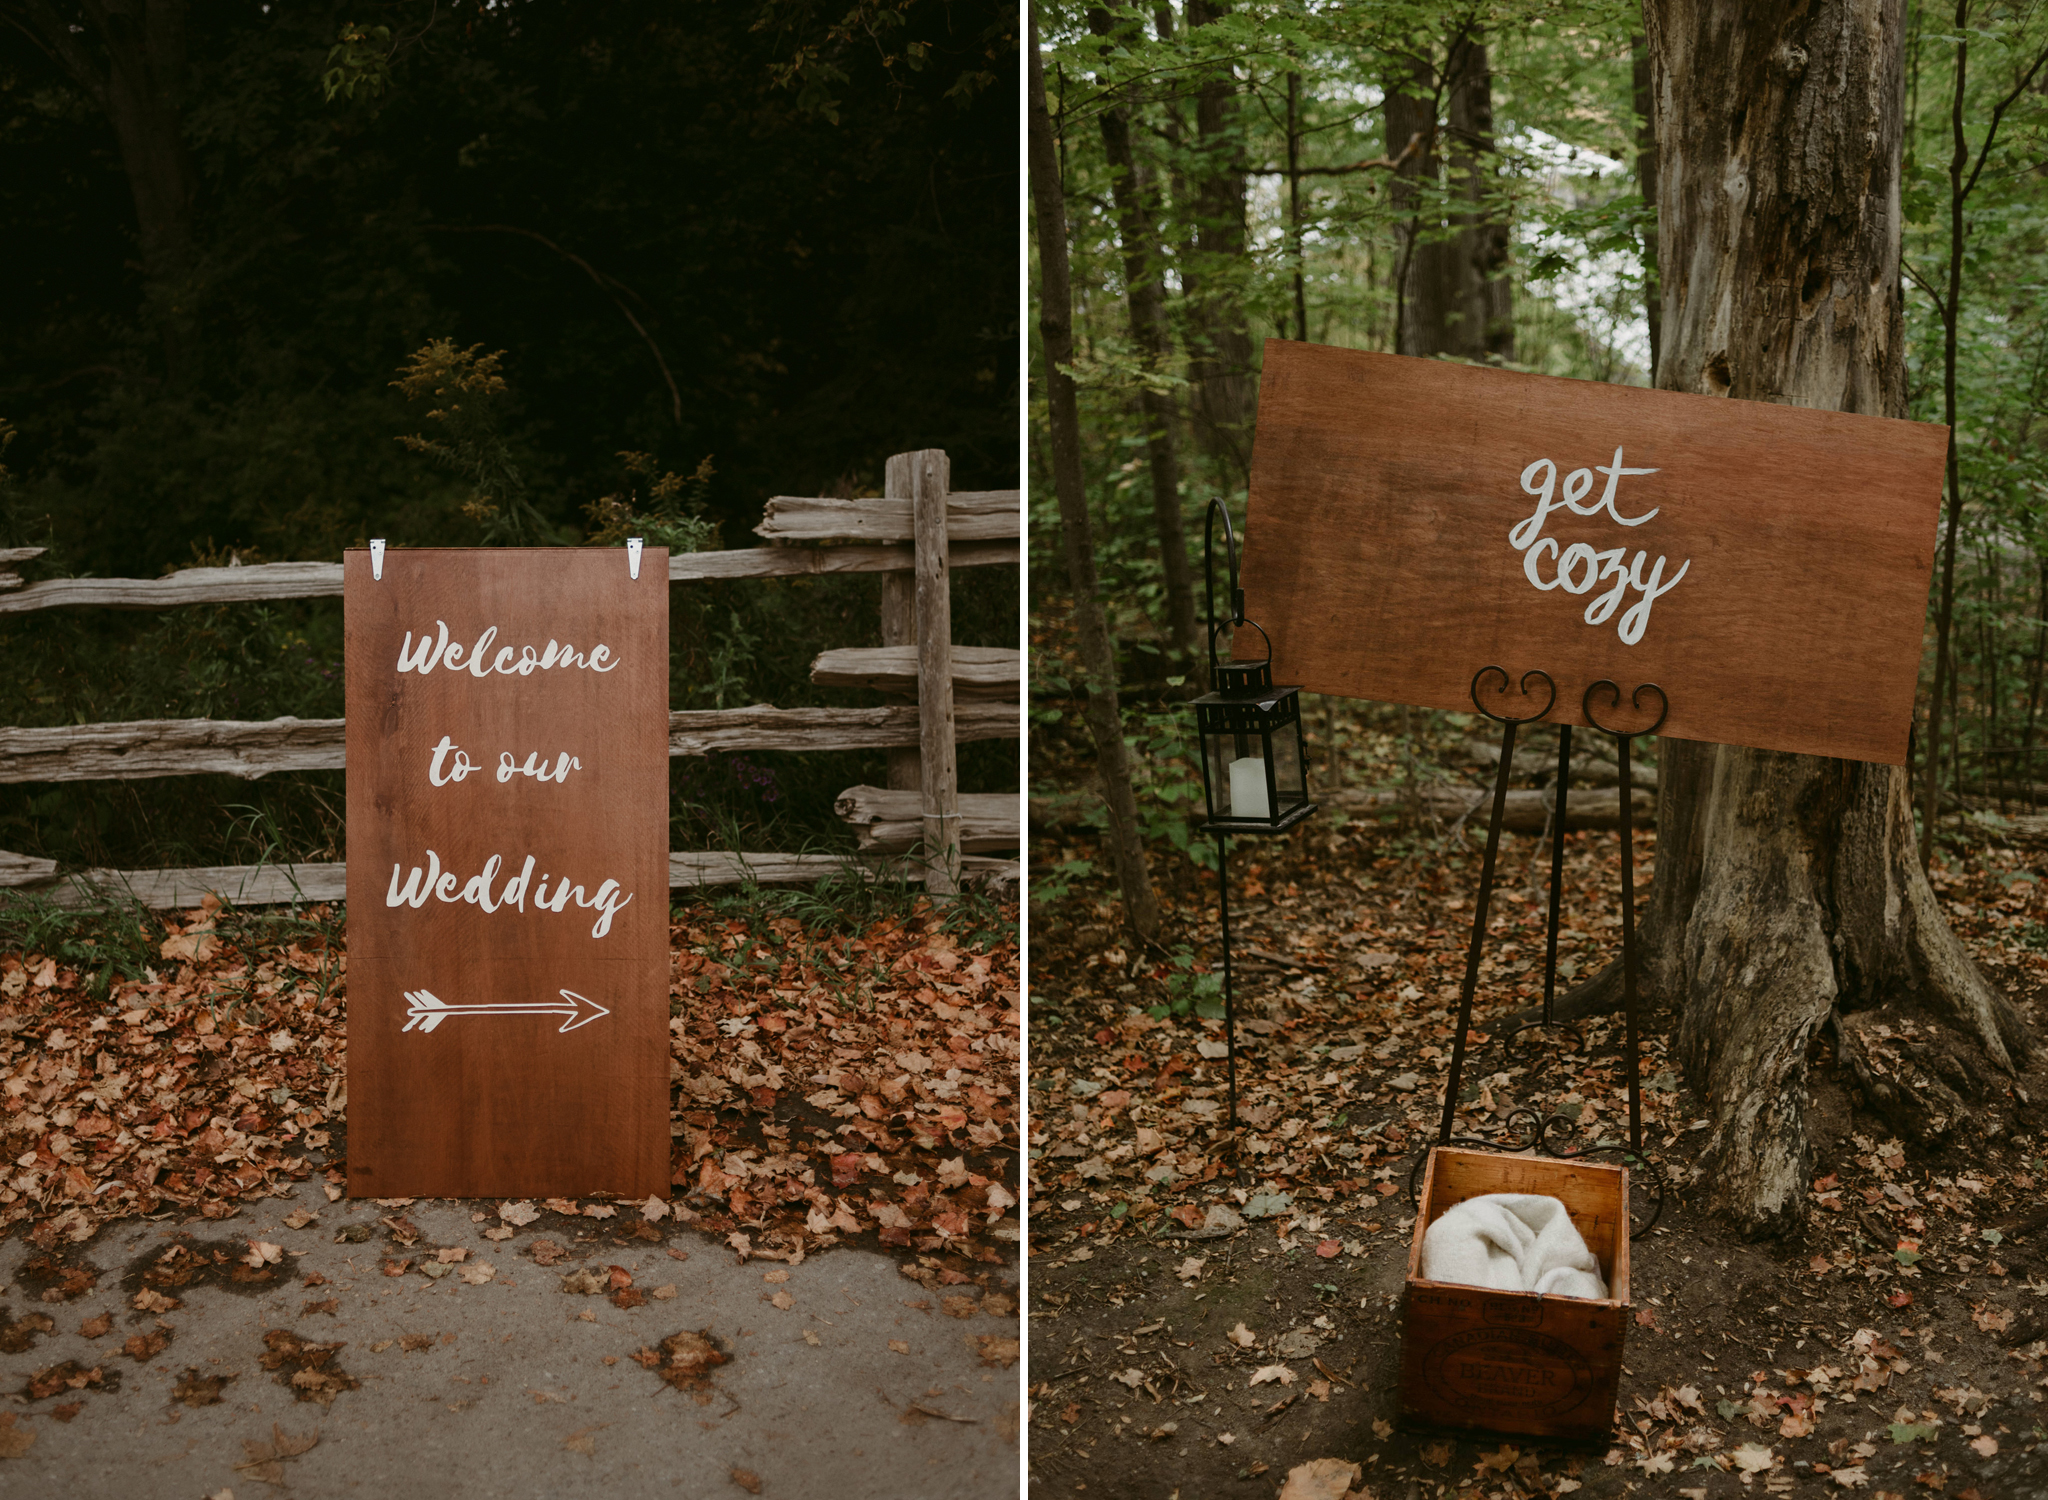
(1167, 757)
(672, 516)
(471, 393)
(116, 942)
(123, 940)
(1191, 990)
(823, 295)
(507, 211)
(361, 60)
(1992, 735)
(850, 903)
(1055, 882)
(815, 54)
(1618, 225)
(1564, 127)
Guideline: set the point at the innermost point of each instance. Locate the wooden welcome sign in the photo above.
(507, 873)
(1413, 521)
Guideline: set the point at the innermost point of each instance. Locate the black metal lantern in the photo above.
(1254, 761)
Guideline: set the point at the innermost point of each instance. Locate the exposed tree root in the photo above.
(1788, 899)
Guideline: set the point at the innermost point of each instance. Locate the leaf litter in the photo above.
(308, 1370)
(837, 1085)
(828, 1085)
(191, 1092)
(1920, 1260)
(685, 1360)
(264, 1460)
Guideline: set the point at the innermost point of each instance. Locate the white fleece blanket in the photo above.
(1512, 1242)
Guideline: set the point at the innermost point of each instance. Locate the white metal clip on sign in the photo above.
(377, 558)
(633, 546)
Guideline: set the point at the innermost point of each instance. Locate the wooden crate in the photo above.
(1514, 1361)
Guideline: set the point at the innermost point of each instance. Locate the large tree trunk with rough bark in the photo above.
(1788, 891)
(1098, 661)
(1145, 296)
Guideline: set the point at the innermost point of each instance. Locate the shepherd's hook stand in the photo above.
(1248, 719)
(1229, 1005)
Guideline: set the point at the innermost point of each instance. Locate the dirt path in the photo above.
(534, 1364)
(1720, 1315)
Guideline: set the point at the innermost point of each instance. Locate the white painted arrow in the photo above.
(427, 1010)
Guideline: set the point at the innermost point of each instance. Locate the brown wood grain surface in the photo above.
(1380, 548)
(1502, 1361)
(508, 1103)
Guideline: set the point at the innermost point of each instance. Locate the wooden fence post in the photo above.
(931, 480)
(899, 612)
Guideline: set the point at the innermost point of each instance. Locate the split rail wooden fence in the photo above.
(917, 827)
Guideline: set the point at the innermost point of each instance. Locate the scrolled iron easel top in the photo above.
(1523, 688)
(1635, 701)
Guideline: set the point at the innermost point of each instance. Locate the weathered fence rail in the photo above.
(978, 671)
(260, 582)
(971, 516)
(979, 529)
(886, 820)
(144, 748)
(265, 885)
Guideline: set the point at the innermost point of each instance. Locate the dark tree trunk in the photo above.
(130, 59)
(1787, 886)
(1098, 660)
(1294, 238)
(2034, 664)
(1453, 285)
(1220, 341)
(1483, 315)
(1421, 306)
(1143, 265)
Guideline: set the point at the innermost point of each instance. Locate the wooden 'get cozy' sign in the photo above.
(507, 873)
(1413, 521)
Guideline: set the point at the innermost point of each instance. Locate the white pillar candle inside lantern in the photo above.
(1248, 788)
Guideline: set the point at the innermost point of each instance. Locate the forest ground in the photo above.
(189, 1303)
(1200, 1330)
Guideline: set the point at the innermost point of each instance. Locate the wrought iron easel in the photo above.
(1533, 1130)
(1560, 804)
